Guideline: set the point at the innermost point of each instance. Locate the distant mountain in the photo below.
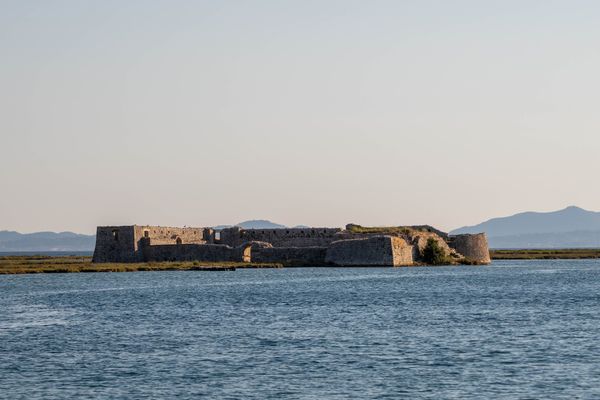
(11, 241)
(572, 227)
(260, 224)
(46, 241)
(254, 224)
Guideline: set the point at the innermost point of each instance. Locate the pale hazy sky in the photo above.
(303, 112)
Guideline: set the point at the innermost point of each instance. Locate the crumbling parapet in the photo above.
(280, 237)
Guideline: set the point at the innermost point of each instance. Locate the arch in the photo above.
(178, 240)
(245, 249)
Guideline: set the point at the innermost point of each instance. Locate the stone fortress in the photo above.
(353, 246)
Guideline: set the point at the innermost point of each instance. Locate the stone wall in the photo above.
(291, 256)
(299, 246)
(171, 235)
(372, 251)
(402, 253)
(191, 252)
(296, 237)
(259, 252)
(115, 244)
(122, 243)
(417, 239)
(472, 247)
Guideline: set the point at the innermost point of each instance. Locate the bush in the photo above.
(434, 254)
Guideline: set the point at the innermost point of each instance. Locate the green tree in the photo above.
(433, 253)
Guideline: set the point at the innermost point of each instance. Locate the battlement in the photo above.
(283, 237)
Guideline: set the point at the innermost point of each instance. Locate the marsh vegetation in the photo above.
(544, 254)
(48, 264)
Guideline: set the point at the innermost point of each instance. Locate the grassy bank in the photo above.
(43, 264)
(67, 264)
(548, 254)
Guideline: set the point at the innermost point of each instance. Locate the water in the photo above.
(47, 253)
(512, 330)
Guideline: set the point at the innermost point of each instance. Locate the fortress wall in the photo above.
(122, 243)
(296, 237)
(231, 236)
(292, 256)
(115, 244)
(300, 246)
(402, 253)
(191, 252)
(169, 235)
(473, 247)
(415, 238)
(372, 251)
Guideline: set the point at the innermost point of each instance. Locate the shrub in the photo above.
(433, 253)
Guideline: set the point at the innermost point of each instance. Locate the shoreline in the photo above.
(544, 254)
(12, 265)
(37, 264)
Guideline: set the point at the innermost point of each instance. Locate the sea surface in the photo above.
(47, 253)
(514, 330)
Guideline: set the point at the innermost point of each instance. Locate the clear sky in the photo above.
(302, 112)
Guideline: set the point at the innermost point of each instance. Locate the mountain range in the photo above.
(11, 241)
(572, 227)
(45, 241)
(254, 224)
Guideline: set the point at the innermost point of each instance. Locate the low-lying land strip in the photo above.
(544, 254)
(47, 264)
(65, 264)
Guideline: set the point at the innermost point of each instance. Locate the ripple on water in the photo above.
(512, 330)
(19, 316)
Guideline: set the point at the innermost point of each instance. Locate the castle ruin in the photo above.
(353, 246)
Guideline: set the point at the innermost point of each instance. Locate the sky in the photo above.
(318, 113)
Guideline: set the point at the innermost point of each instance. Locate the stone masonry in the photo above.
(399, 246)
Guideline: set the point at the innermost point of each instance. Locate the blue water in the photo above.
(47, 253)
(511, 330)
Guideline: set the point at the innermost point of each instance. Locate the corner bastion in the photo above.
(373, 251)
(473, 247)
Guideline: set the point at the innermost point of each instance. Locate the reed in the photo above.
(71, 264)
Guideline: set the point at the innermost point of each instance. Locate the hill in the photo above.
(254, 224)
(46, 241)
(260, 224)
(11, 241)
(572, 227)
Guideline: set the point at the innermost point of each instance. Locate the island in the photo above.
(299, 247)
